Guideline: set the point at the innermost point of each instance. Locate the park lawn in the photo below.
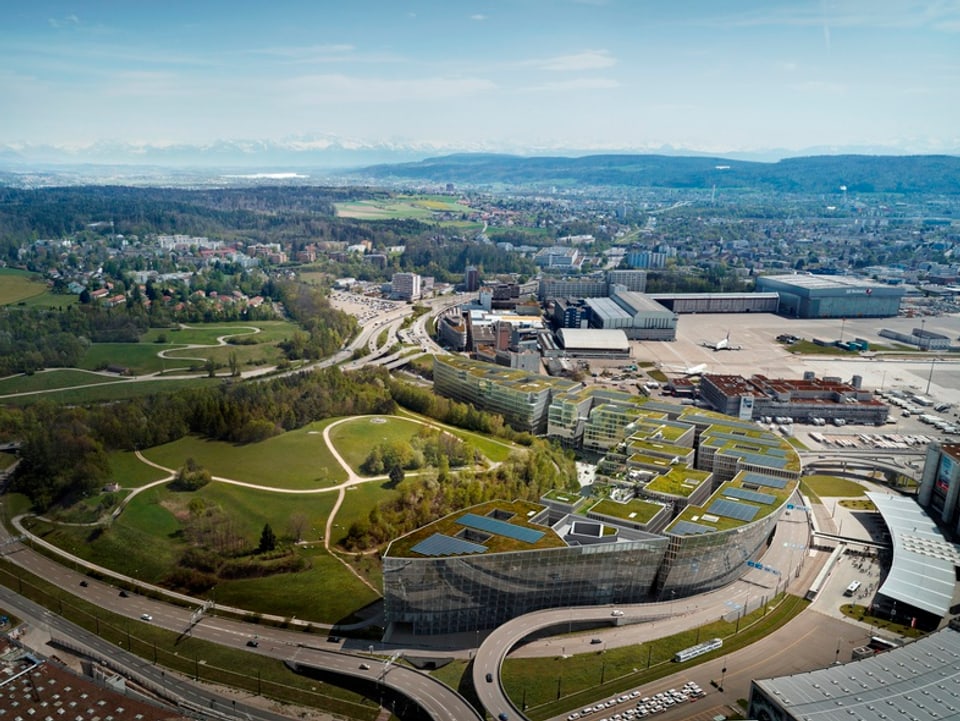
(139, 358)
(119, 389)
(357, 504)
(250, 509)
(833, 487)
(50, 379)
(19, 285)
(130, 472)
(355, 438)
(246, 355)
(296, 460)
(495, 449)
(261, 331)
(197, 335)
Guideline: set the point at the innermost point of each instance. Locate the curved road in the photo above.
(642, 622)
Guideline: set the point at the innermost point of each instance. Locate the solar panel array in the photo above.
(732, 509)
(758, 479)
(500, 528)
(769, 459)
(748, 495)
(441, 545)
(687, 528)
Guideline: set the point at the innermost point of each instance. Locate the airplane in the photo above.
(687, 371)
(722, 344)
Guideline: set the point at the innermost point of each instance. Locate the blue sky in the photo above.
(718, 75)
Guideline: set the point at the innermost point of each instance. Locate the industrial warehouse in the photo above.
(831, 296)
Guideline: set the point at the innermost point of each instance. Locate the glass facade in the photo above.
(449, 595)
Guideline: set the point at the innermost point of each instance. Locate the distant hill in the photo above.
(936, 174)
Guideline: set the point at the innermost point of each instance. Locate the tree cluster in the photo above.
(429, 447)
(191, 477)
(64, 449)
(525, 475)
(36, 338)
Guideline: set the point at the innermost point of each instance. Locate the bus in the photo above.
(698, 650)
(852, 588)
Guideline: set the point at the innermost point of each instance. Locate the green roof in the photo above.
(520, 512)
(678, 481)
(633, 511)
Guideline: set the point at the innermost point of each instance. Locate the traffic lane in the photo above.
(171, 683)
(436, 699)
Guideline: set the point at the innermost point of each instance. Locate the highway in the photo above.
(439, 701)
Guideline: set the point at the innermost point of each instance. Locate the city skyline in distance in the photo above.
(120, 81)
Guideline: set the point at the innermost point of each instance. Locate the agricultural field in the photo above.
(420, 207)
(17, 286)
(297, 460)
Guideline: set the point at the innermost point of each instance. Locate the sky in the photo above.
(512, 75)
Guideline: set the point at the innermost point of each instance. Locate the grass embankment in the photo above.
(190, 656)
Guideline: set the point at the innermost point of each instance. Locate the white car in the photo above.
(146, 617)
(616, 612)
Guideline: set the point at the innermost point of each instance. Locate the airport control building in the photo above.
(694, 497)
(832, 296)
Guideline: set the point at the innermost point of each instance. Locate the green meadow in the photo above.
(402, 206)
(128, 471)
(115, 390)
(355, 438)
(18, 285)
(297, 460)
(51, 379)
(146, 541)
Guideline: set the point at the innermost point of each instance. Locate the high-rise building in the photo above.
(406, 286)
(471, 279)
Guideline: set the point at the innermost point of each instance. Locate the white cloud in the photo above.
(67, 21)
(587, 60)
(478, 16)
(577, 84)
(336, 88)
